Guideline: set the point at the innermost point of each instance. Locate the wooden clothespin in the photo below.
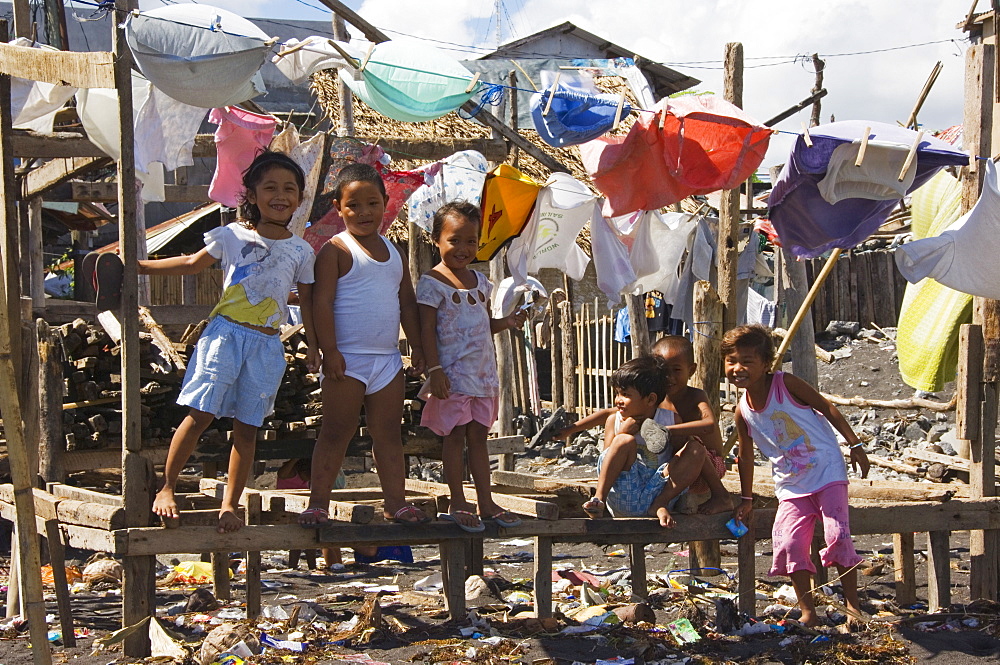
(292, 49)
(805, 135)
(911, 155)
(552, 93)
(618, 111)
(351, 60)
(473, 82)
(663, 119)
(272, 41)
(864, 147)
(371, 47)
(972, 161)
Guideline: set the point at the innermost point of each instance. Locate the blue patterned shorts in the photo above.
(635, 488)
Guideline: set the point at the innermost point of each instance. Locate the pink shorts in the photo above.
(792, 534)
(699, 485)
(444, 415)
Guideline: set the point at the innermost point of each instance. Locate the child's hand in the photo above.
(743, 510)
(417, 360)
(859, 460)
(334, 367)
(630, 426)
(313, 359)
(439, 386)
(517, 319)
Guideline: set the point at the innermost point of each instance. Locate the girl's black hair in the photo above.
(647, 374)
(357, 173)
(249, 213)
(753, 337)
(460, 208)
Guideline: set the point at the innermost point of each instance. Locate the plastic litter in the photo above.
(683, 631)
(282, 644)
(432, 582)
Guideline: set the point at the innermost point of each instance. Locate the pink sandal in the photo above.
(409, 510)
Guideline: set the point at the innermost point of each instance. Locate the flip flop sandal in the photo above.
(108, 273)
(453, 517)
(506, 519)
(399, 517)
(657, 438)
(594, 507)
(320, 515)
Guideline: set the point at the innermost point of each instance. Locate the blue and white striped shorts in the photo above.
(635, 488)
(234, 372)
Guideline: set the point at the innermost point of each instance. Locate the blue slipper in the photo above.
(452, 517)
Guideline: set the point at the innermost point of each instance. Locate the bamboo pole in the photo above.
(804, 309)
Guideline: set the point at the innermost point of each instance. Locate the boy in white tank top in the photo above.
(362, 296)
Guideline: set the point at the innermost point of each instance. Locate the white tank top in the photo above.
(366, 307)
(800, 442)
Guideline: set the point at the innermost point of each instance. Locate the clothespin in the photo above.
(371, 47)
(910, 155)
(972, 161)
(272, 41)
(663, 119)
(473, 82)
(552, 93)
(292, 49)
(805, 135)
(351, 60)
(618, 111)
(864, 147)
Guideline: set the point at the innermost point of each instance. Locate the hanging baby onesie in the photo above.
(199, 54)
(927, 337)
(459, 177)
(964, 256)
(508, 197)
(241, 136)
(574, 117)
(165, 131)
(564, 206)
(691, 145)
(309, 156)
(807, 223)
(608, 238)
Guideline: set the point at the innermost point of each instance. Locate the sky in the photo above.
(778, 36)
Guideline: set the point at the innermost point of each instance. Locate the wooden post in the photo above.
(794, 288)
(139, 578)
(555, 349)
(746, 569)
(13, 605)
(35, 260)
(28, 386)
(903, 569)
(803, 312)
(543, 577)
(637, 564)
(505, 353)
(818, 67)
(22, 19)
(515, 153)
(346, 125)
(453, 576)
(938, 571)
(637, 322)
(52, 442)
(220, 577)
(977, 135)
(29, 561)
(189, 289)
(254, 508)
(707, 340)
(57, 559)
(729, 207)
(569, 351)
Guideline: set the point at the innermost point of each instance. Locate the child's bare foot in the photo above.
(716, 504)
(165, 505)
(229, 521)
(809, 618)
(594, 507)
(666, 519)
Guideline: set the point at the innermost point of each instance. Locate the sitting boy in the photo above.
(684, 412)
(626, 484)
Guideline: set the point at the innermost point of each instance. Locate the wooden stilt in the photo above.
(556, 349)
(746, 569)
(903, 569)
(57, 559)
(543, 577)
(938, 571)
(52, 442)
(637, 564)
(505, 365)
(14, 579)
(569, 356)
(637, 322)
(221, 586)
(804, 308)
(453, 576)
(254, 507)
(22, 474)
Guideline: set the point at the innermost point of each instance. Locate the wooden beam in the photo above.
(65, 311)
(83, 191)
(85, 460)
(88, 69)
(370, 32)
(58, 171)
(340, 511)
(493, 122)
(543, 510)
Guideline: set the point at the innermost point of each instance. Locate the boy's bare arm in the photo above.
(190, 264)
(587, 422)
(609, 431)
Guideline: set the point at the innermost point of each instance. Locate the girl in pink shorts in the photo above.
(792, 425)
(457, 333)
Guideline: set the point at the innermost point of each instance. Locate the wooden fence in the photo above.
(169, 289)
(598, 355)
(863, 286)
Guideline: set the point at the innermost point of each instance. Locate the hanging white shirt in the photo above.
(563, 207)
